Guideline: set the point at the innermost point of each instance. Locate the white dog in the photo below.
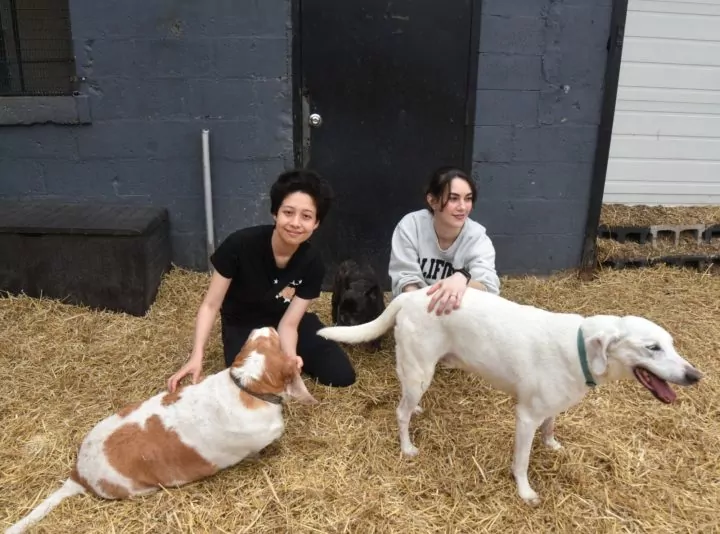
(176, 438)
(545, 360)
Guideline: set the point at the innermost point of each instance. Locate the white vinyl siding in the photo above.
(665, 146)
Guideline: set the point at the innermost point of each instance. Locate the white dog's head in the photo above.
(634, 347)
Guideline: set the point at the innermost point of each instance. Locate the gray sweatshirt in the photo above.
(416, 257)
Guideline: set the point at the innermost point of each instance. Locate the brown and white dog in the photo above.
(176, 438)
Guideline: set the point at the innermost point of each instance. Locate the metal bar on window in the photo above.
(18, 47)
(4, 67)
(36, 55)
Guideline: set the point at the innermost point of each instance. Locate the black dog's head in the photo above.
(357, 295)
(360, 303)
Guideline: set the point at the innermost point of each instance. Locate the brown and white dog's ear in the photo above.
(597, 348)
(295, 386)
(297, 390)
(274, 336)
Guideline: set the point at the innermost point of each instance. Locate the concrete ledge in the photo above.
(26, 110)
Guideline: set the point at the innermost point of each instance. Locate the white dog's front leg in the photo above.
(525, 428)
(547, 430)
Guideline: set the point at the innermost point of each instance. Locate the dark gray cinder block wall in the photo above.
(540, 89)
(159, 72)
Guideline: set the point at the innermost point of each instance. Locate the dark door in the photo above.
(394, 85)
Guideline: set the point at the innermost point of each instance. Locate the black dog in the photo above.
(357, 296)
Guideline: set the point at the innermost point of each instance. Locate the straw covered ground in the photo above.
(629, 463)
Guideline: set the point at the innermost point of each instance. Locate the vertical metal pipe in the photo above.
(208, 195)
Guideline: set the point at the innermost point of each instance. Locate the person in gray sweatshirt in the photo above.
(440, 246)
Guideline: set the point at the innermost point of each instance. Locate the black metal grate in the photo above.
(36, 55)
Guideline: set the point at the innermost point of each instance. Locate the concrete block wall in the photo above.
(157, 73)
(540, 79)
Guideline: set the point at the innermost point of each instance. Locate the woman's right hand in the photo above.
(193, 367)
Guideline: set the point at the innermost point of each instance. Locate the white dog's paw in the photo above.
(410, 451)
(417, 410)
(530, 497)
(553, 444)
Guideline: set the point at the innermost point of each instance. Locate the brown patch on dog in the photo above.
(107, 489)
(263, 344)
(128, 409)
(279, 369)
(154, 456)
(79, 479)
(250, 402)
(112, 490)
(172, 398)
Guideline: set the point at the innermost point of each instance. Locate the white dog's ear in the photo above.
(597, 350)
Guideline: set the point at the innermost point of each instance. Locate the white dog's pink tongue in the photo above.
(662, 388)
(657, 385)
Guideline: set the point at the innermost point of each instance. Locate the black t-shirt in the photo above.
(259, 288)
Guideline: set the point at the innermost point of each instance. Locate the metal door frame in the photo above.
(588, 255)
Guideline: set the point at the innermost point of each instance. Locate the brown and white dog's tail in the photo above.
(363, 333)
(68, 489)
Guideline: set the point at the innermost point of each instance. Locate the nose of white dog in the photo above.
(681, 371)
(692, 375)
(676, 369)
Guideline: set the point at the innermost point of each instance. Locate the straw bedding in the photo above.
(629, 464)
(609, 248)
(640, 215)
(623, 215)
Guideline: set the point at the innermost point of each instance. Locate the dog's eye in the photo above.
(654, 348)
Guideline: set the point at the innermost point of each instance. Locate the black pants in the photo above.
(323, 359)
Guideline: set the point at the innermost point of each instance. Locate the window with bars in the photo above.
(36, 56)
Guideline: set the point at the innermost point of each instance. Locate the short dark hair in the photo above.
(439, 184)
(304, 181)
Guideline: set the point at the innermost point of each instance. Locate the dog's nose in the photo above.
(692, 376)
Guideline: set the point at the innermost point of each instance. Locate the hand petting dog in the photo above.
(449, 293)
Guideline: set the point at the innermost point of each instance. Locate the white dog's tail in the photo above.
(68, 489)
(363, 333)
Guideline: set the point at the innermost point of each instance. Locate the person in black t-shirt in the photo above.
(267, 276)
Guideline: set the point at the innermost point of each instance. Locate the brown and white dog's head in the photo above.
(262, 367)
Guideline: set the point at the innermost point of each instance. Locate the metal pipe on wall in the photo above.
(207, 181)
